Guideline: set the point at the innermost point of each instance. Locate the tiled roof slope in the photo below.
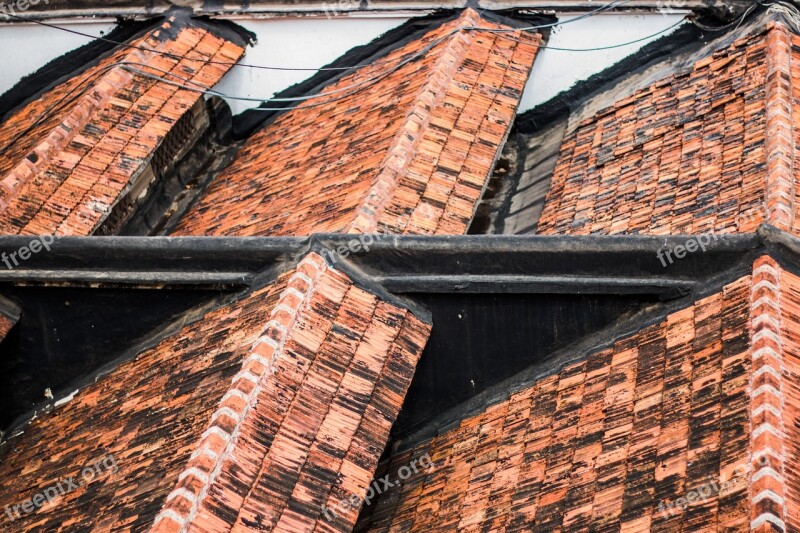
(408, 153)
(705, 400)
(68, 156)
(256, 414)
(9, 316)
(712, 149)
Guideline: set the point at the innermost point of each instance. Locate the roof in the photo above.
(409, 153)
(258, 412)
(689, 153)
(257, 372)
(698, 401)
(69, 155)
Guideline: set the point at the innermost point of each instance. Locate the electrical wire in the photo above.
(592, 13)
(347, 90)
(600, 48)
(205, 90)
(735, 23)
(350, 89)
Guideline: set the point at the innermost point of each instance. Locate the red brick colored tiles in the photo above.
(62, 174)
(775, 384)
(149, 414)
(767, 489)
(5, 326)
(438, 190)
(790, 343)
(780, 144)
(795, 102)
(687, 154)
(610, 443)
(308, 416)
(410, 152)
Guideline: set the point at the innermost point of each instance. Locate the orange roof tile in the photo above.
(408, 153)
(704, 401)
(711, 149)
(67, 157)
(256, 414)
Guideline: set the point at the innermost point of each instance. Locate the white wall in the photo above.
(314, 42)
(28, 47)
(555, 71)
(296, 42)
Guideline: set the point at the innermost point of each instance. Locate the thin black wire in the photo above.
(203, 89)
(731, 24)
(605, 7)
(348, 90)
(600, 48)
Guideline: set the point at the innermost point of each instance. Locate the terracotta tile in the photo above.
(688, 154)
(101, 138)
(372, 167)
(614, 441)
(265, 435)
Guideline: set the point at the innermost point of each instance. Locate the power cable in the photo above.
(592, 13)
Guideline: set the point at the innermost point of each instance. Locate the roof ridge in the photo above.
(215, 444)
(779, 143)
(768, 488)
(103, 89)
(406, 141)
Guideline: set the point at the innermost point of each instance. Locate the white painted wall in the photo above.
(296, 42)
(314, 42)
(28, 47)
(555, 71)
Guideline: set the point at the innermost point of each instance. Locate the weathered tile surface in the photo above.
(409, 152)
(67, 157)
(711, 149)
(706, 401)
(256, 415)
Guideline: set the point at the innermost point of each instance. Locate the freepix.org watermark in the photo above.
(710, 488)
(51, 494)
(363, 241)
(10, 9)
(44, 242)
(377, 487)
(700, 242)
(332, 8)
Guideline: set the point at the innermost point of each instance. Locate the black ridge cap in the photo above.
(685, 40)
(280, 254)
(81, 59)
(366, 282)
(782, 246)
(625, 327)
(250, 121)
(403, 264)
(265, 278)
